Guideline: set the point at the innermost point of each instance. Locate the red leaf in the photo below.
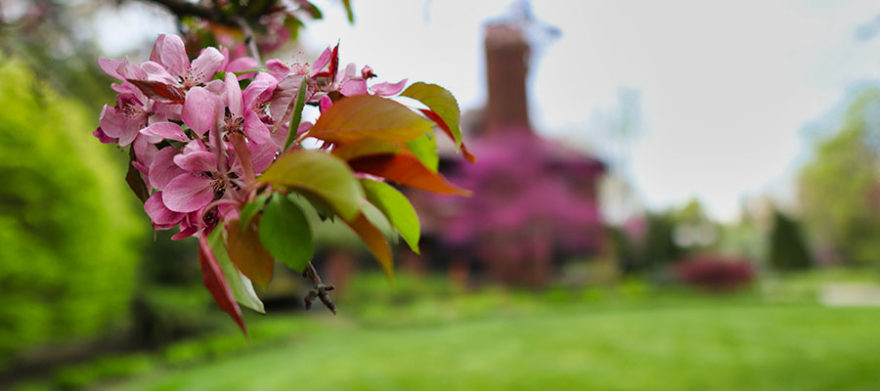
(406, 170)
(216, 282)
(159, 91)
(135, 181)
(443, 126)
(334, 63)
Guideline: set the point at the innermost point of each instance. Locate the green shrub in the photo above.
(67, 223)
(788, 249)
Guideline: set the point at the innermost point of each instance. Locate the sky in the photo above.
(725, 90)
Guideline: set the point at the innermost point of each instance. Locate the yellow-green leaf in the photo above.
(320, 174)
(425, 149)
(397, 209)
(441, 102)
(251, 209)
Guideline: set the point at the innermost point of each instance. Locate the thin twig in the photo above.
(319, 289)
(249, 39)
(185, 8)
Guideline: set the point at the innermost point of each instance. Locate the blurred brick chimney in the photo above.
(507, 67)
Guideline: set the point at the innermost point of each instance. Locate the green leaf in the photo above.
(251, 209)
(297, 113)
(365, 117)
(321, 174)
(441, 102)
(348, 11)
(241, 287)
(285, 232)
(397, 209)
(425, 149)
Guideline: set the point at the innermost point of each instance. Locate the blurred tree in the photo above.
(68, 257)
(788, 250)
(660, 247)
(50, 37)
(840, 187)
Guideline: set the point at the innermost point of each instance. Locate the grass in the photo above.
(722, 344)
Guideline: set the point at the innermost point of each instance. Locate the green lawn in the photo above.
(726, 346)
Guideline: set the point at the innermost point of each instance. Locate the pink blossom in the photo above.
(170, 53)
(123, 121)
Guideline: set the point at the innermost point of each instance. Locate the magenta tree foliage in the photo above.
(220, 151)
(533, 199)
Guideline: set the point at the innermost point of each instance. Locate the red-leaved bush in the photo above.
(714, 273)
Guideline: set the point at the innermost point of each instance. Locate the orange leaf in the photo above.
(445, 128)
(405, 169)
(216, 282)
(375, 241)
(247, 253)
(368, 117)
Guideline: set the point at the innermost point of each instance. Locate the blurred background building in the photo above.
(535, 201)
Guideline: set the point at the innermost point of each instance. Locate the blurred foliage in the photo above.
(49, 38)
(68, 256)
(788, 249)
(839, 188)
(746, 238)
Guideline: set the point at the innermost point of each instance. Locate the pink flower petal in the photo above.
(388, 89)
(188, 226)
(255, 129)
(278, 68)
(188, 193)
(156, 72)
(259, 91)
(110, 67)
(165, 130)
(165, 111)
(205, 66)
(163, 169)
(200, 110)
(325, 103)
(102, 137)
(170, 52)
(353, 87)
(263, 154)
(116, 124)
(159, 214)
(130, 71)
(283, 96)
(242, 64)
(233, 94)
(144, 151)
(197, 161)
(321, 62)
